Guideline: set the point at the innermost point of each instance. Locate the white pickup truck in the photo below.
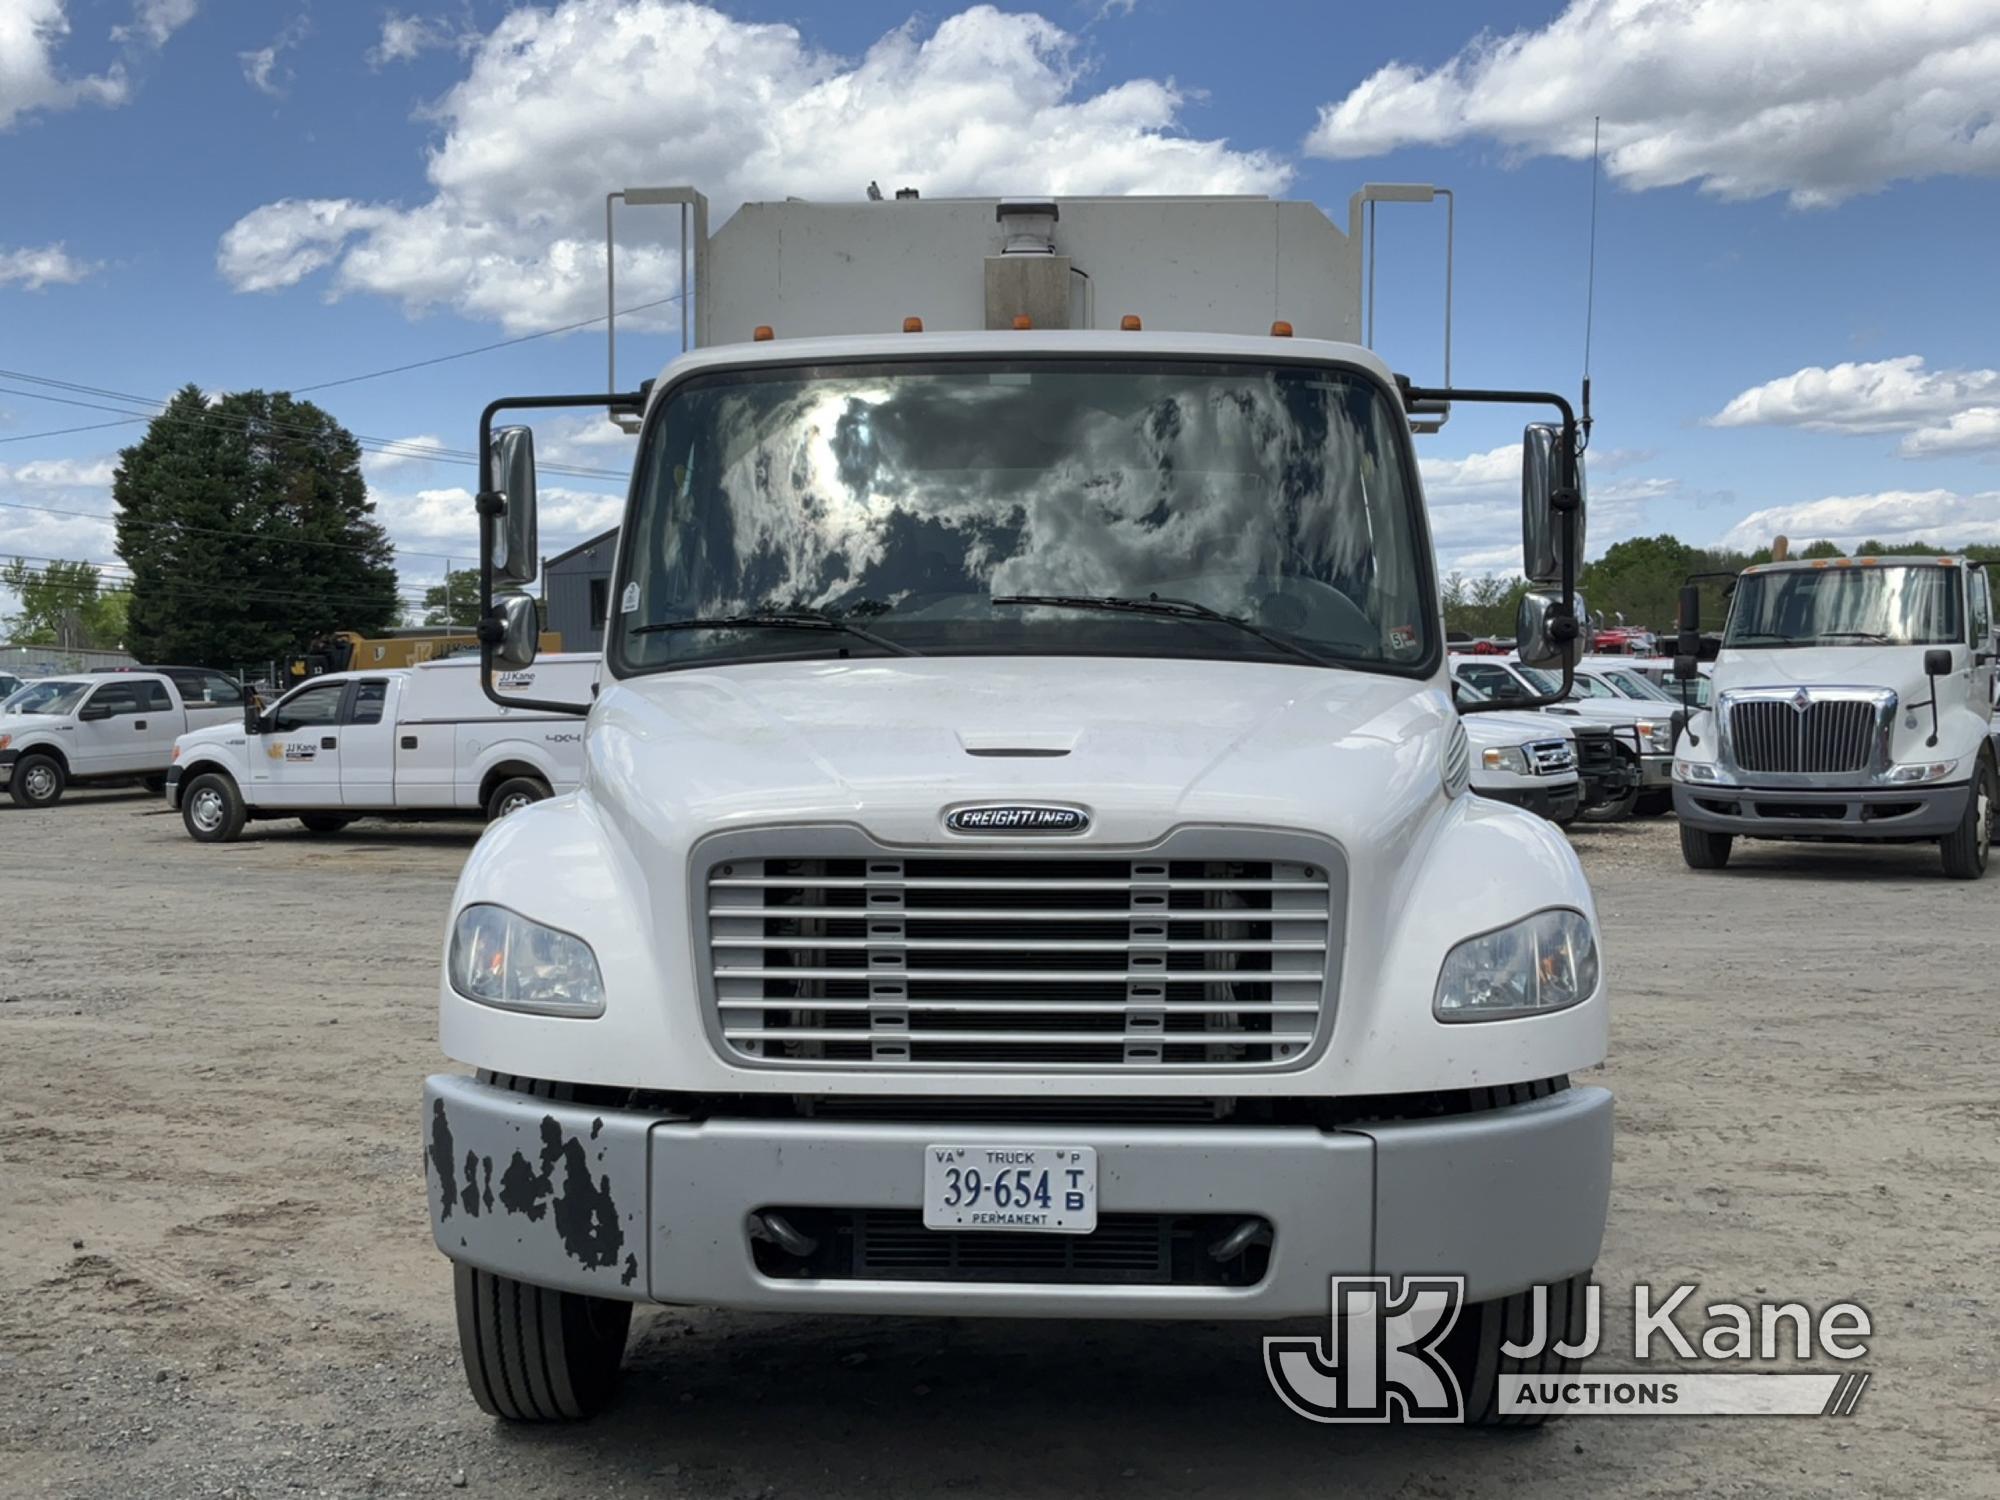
(102, 727)
(1025, 864)
(419, 741)
(1852, 702)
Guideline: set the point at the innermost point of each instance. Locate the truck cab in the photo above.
(1852, 701)
(1025, 863)
(94, 727)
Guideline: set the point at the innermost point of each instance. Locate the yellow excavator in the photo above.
(348, 651)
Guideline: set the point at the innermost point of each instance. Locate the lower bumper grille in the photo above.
(1124, 1249)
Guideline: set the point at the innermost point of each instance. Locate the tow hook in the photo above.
(1242, 1237)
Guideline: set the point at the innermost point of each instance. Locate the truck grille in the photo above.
(1034, 961)
(1820, 735)
(1552, 757)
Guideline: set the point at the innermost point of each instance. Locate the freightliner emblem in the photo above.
(1040, 817)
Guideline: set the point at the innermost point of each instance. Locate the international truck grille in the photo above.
(1552, 757)
(1819, 736)
(1039, 962)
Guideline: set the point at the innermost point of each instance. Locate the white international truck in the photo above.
(1024, 864)
(412, 742)
(96, 727)
(1852, 701)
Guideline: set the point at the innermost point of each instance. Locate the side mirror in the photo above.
(1688, 646)
(91, 712)
(1937, 662)
(515, 562)
(1544, 636)
(1541, 522)
(253, 716)
(520, 633)
(1685, 669)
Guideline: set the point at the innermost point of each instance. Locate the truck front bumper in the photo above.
(646, 1206)
(1859, 813)
(1556, 803)
(1655, 771)
(7, 759)
(174, 787)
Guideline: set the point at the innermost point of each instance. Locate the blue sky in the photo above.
(1795, 319)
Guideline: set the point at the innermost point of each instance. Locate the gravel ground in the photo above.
(216, 1276)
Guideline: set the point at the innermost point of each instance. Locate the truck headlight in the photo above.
(1506, 758)
(1542, 963)
(1701, 771)
(1935, 770)
(1659, 737)
(499, 958)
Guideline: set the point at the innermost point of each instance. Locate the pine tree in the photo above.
(248, 530)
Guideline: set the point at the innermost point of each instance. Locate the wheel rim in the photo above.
(1985, 818)
(41, 783)
(514, 803)
(207, 809)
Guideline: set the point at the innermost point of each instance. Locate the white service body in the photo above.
(113, 726)
(408, 740)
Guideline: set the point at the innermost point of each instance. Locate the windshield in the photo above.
(1634, 685)
(909, 498)
(54, 697)
(1894, 605)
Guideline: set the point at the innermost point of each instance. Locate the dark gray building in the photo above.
(578, 585)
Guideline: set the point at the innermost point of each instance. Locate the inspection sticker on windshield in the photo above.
(628, 602)
(1052, 1189)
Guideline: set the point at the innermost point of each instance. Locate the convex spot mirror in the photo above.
(1541, 525)
(1538, 638)
(520, 632)
(515, 560)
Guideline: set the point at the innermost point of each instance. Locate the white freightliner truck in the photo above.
(1024, 864)
(1852, 701)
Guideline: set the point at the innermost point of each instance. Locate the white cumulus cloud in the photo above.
(1942, 411)
(1816, 100)
(1944, 517)
(31, 32)
(36, 266)
(561, 103)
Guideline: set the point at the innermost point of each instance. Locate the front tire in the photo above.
(157, 785)
(536, 1355)
(1965, 850)
(1704, 850)
(38, 781)
(1616, 810)
(1653, 804)
(1472, 1348)
(212, 809)
(514, 794)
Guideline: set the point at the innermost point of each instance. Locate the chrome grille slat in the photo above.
(1073, 959)
(1825, 736)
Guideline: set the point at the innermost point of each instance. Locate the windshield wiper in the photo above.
(1172, 609)
(782, 619)
(1854, 635)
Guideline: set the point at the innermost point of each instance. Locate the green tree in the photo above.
(248, 530)
(455, 601)
(63, 604)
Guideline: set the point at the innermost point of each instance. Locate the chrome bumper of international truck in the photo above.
(643, 1206)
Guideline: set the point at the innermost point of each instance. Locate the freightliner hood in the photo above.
(1142, 745)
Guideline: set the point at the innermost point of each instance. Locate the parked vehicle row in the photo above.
(414, 741)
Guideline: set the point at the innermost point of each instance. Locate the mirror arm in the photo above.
(1565, 501)
(492, 505)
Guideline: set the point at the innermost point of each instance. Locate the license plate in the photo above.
(1050, 1189)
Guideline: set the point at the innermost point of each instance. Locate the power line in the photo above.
(390, 447)
(257, 536)
(421, 364)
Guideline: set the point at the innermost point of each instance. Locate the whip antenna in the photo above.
(1590, 275)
